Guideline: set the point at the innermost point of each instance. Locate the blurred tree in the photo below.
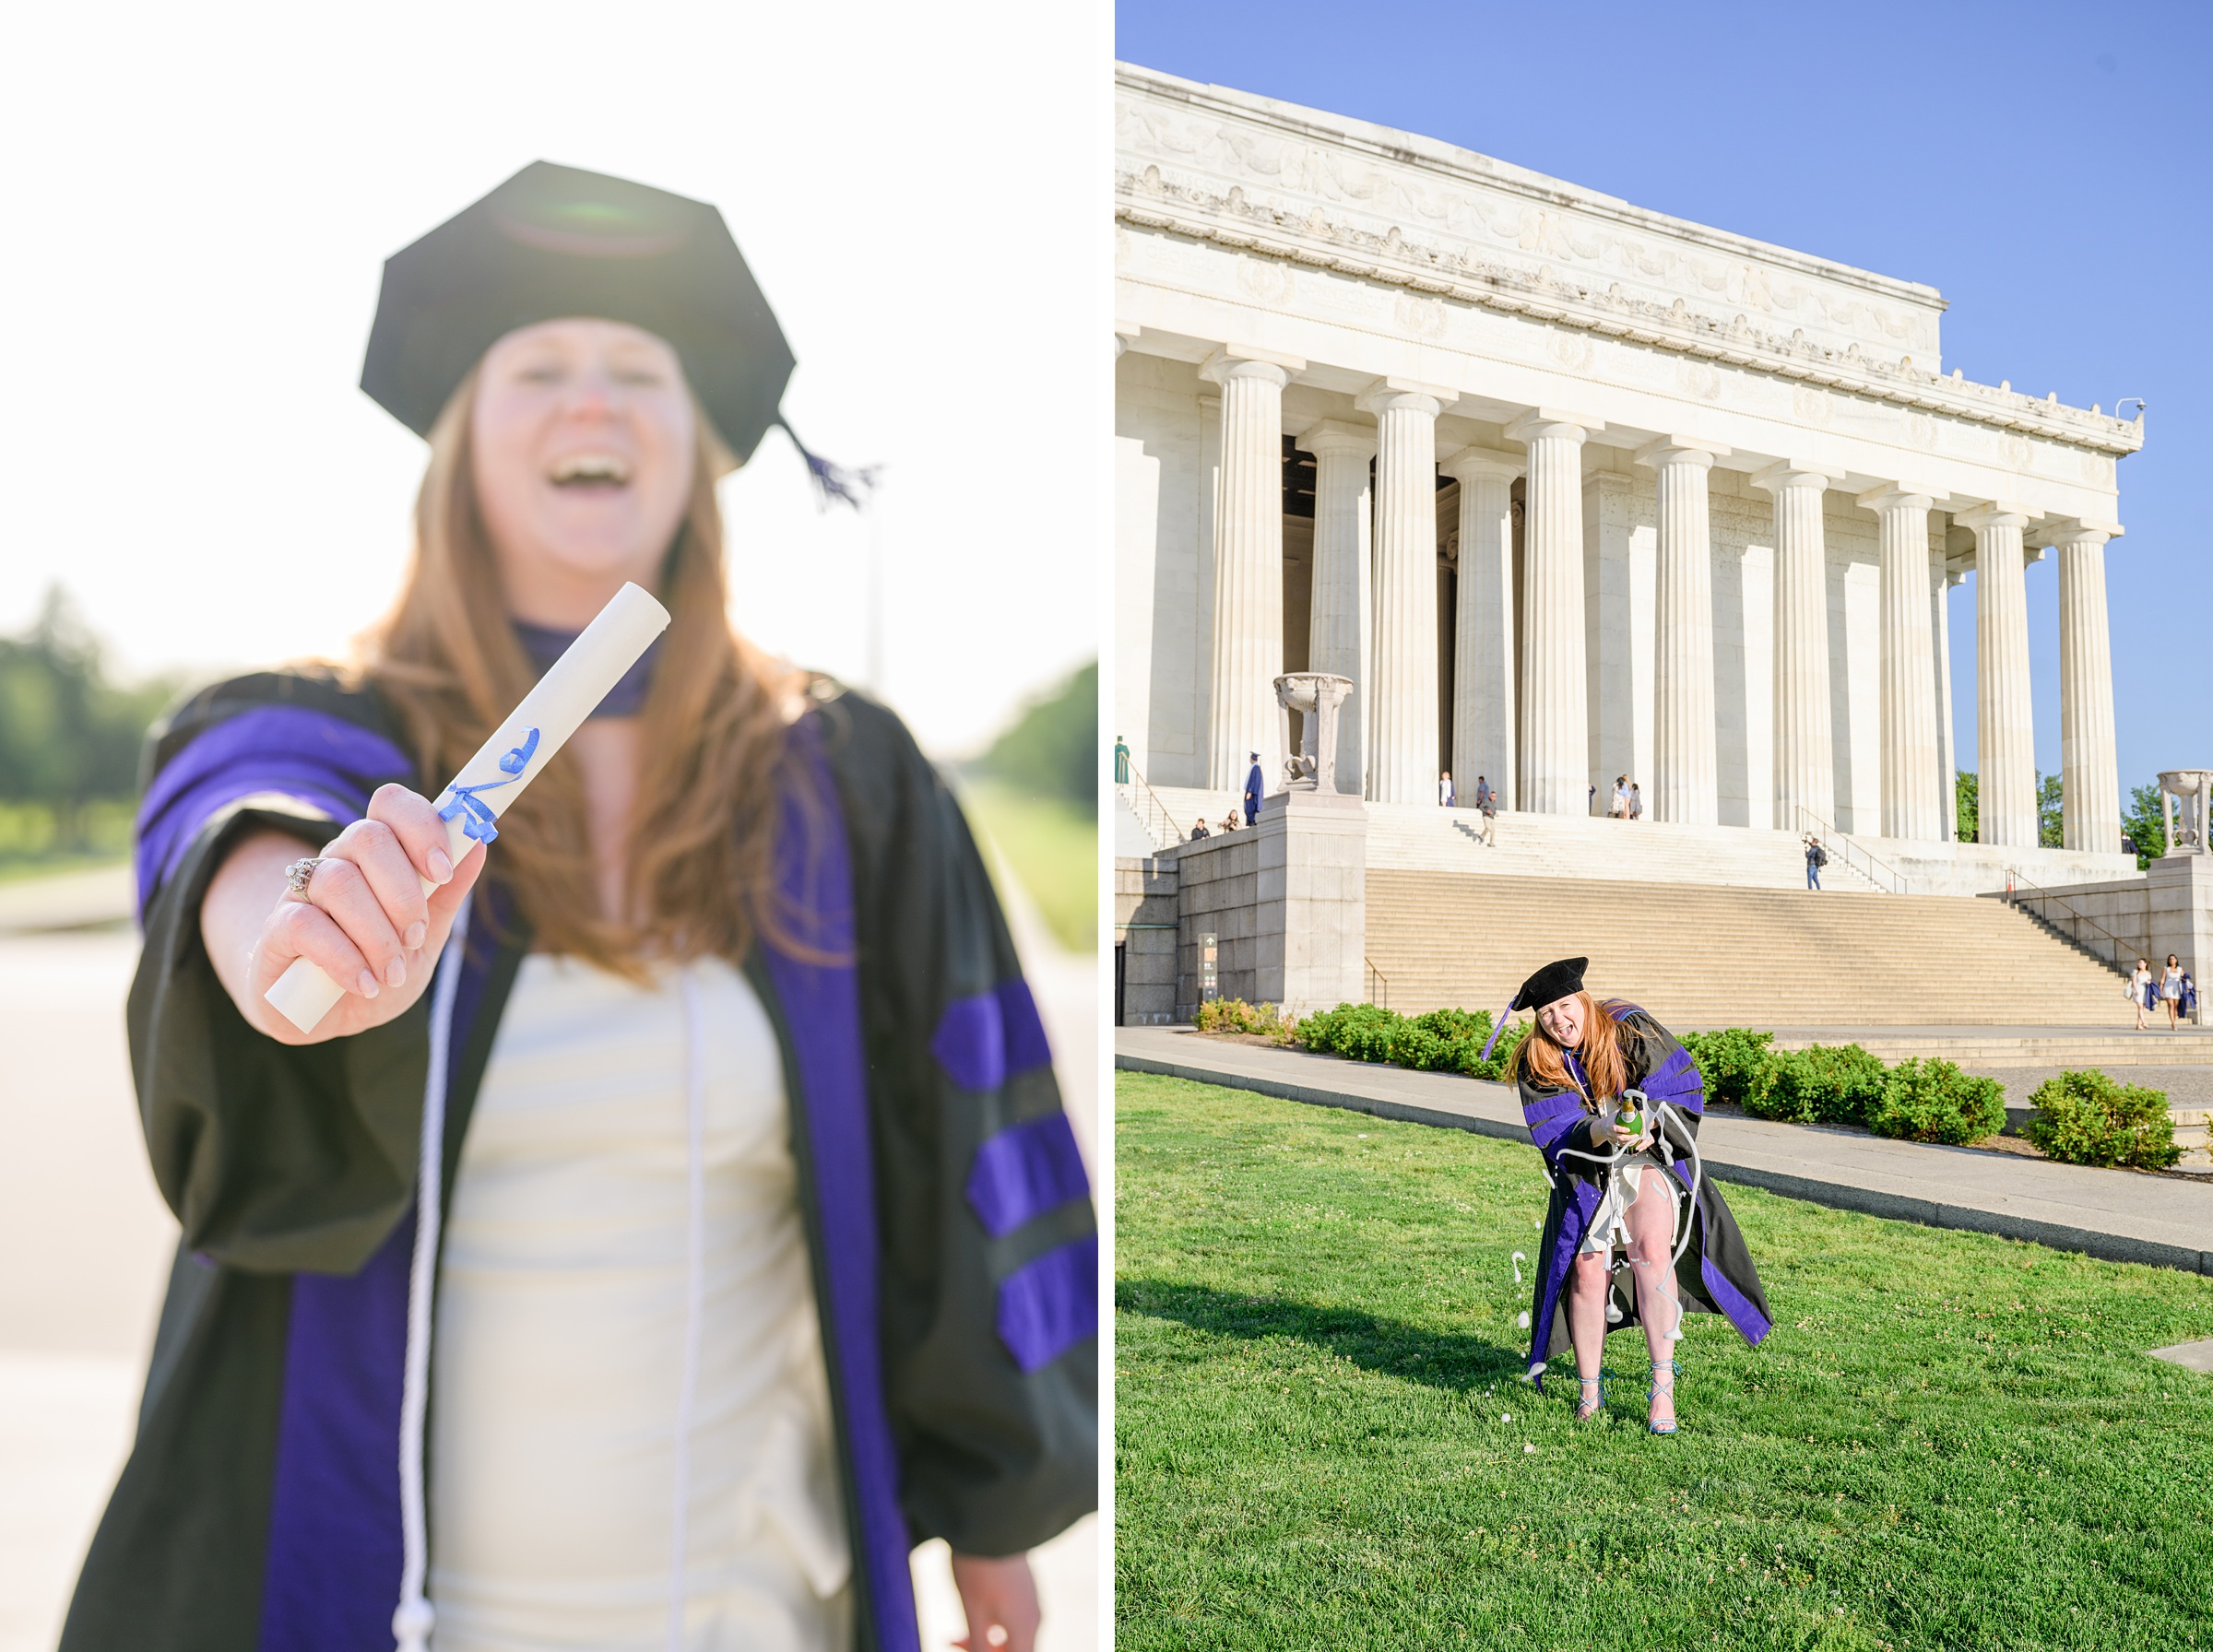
(2050, 826)
(2145, 822)
(68, 737)
(1053, 746)
(1965, 794)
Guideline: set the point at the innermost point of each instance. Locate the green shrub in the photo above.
(1730, 1061)
(1828, 1084)
(1500, 1067)
(1443, 1041)
(1361, 1032)
(2091, 1119)
(1934, 1101)
(1234, 1015)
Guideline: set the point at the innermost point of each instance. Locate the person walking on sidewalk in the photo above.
(1816, 858)
(2140, 992)
(2171, 990)
(1625, 1179)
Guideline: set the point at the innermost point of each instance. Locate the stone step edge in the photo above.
(1839, 1195)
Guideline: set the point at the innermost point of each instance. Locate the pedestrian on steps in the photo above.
(1486, 803)
(2140, 992)
(1254, 786)
(1444, 790)
(2171, 990)
(1816, 858)
(1635, 801)
(1619, 809)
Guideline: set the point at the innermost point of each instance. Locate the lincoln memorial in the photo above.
(1569, 490)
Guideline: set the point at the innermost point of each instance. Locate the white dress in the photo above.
(567, 1304)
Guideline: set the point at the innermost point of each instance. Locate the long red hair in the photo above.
(1544, 1061)
(716, 727)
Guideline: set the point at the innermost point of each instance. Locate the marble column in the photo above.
(1686, 765)
(1483, 631)
(1554, 701)
(1337, 630)
(2090, 774)
(1912, 806)
(1401, 719)
(1805, 772)
(1249, 571)
(1940, 639)
(2005, 732)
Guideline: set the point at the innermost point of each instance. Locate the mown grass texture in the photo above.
(1948, 1441)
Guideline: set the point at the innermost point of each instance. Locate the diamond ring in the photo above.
(299, 872)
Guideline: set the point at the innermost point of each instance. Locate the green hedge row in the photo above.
(1443, 1041)
(1842, 1084)
(2082, 1118)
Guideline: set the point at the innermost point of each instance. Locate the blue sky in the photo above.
(2045, 166)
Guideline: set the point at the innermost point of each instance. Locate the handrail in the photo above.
(1876, 869)
(1138, 781)
(1381, 980)
(2016, 883)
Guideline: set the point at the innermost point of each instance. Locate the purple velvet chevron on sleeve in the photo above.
(985, 1039)
(1679, 1083)
(1046, 1306)
(314, 758)
(1550, 1119)
(1024, 1171)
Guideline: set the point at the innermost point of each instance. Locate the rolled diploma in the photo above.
(564, 697)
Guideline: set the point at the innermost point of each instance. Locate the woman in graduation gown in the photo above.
(763, 1251)
(1618, 1189)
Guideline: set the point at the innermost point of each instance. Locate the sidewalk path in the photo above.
(2116, 1214)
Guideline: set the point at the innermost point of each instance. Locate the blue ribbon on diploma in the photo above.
(478, 821)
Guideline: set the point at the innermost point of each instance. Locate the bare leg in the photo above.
(1651, 1225)
(1587, 1324)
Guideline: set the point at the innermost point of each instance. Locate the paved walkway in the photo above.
(2115, 1214)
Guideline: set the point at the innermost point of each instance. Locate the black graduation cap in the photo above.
(555, 242)
(1551, 984)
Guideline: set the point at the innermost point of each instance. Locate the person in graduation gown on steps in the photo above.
(1572, 1068)
(766, 1251)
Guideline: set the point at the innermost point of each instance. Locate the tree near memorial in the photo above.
(69, 737)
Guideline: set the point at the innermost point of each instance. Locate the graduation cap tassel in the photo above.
(1497, 1026)
(851, 487)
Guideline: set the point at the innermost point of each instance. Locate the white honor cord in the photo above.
(695, 1292)
(412, 1619)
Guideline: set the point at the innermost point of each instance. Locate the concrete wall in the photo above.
(1144, 927)
(1218, 893)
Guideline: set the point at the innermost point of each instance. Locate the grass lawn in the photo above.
(1054, 848)
(1948, 1441)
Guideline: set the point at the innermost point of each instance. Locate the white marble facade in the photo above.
(1697, 499)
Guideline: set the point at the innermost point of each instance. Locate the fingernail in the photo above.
(396, 973)
(442, 868)
(366, 986)
(413, 938)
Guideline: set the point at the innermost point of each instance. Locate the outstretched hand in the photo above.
(999, 1599)
(363, 919)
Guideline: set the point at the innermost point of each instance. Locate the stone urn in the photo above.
(1316, 696)
(2185, 797)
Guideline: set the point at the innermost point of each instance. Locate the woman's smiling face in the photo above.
(1562, 1021)
(584, 439)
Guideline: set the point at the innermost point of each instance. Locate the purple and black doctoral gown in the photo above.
(1715, 1274)
(947, 1211)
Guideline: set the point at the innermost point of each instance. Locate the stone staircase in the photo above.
(1415, 837)
(1700, 955)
